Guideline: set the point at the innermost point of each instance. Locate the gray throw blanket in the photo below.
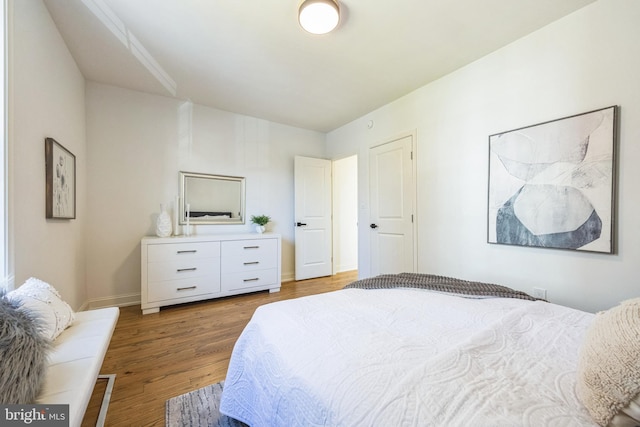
(438, 284)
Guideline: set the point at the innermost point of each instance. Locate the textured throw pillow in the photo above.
(608, 382)
(44, 300)
(23, 354)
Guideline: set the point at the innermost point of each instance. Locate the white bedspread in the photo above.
(406, 357)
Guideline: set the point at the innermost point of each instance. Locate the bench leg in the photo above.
(111, 378)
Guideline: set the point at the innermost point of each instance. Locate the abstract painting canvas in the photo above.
(551, 185)
(60, 165)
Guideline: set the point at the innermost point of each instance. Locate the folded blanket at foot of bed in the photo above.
(436, 283)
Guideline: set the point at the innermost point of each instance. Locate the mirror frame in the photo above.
(209, 221)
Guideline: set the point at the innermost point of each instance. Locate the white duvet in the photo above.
(407, 357)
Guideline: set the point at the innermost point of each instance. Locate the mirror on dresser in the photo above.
(211, 199)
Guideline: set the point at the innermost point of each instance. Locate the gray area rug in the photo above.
(199, 408)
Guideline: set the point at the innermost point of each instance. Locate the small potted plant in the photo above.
(260, 221)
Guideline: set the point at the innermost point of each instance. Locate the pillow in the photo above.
(23, 354)
(608, 382)
(45, 302)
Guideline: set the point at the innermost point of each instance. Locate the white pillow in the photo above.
(45, 302)
(608, 380)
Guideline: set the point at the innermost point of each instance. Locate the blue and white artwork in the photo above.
(551, 185)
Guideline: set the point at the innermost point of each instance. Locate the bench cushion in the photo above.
(76, 359)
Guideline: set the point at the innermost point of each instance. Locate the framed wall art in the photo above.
(60, 181)
(552, 185)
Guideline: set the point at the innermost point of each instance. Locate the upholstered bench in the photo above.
(49, 354)
(75, 361)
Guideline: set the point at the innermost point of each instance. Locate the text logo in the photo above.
(34, 415)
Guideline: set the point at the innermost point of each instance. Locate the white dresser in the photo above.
(180, 269)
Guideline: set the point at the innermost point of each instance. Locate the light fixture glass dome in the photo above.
(319, 16)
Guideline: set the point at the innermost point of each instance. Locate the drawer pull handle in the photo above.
(255, 279)
(181, 270)
(252, 247)
(187, 288)
(252, 263)
(192, 251)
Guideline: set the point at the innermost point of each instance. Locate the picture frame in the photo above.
(552, 185)
(60, 166)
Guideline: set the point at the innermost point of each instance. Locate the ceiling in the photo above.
(252, 57)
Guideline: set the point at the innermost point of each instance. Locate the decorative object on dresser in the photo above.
(176, 217)
(177, 270)
(261, 222)
(163, 223)
(60, 165)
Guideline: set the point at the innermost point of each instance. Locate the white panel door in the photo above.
(312, 182)
(392, 194)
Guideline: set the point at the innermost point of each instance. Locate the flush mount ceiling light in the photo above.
(319, 16)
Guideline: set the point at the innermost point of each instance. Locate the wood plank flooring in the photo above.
(182, 348)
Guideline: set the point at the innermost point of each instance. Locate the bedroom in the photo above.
(584, 72)
(584, 61)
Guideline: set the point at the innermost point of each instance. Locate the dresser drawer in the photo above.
(249, 261)
(182, 288)
(244, 247)
(183, 269)
(175, 251)
(249, 279)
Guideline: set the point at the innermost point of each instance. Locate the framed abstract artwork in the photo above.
(60, 181)
(552, 185)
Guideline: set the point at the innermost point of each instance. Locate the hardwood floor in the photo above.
(182, 348)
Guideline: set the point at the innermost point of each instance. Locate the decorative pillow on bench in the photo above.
(45, 302)
(31, 317)
(23, 353)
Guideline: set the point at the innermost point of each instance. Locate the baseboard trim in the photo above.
(288, 277)
(345, 268)
(117, 301)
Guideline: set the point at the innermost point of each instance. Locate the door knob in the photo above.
(374, 226)
(300, 224)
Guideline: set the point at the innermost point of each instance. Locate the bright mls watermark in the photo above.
(34, 415)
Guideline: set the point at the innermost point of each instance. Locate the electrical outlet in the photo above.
(540, 293)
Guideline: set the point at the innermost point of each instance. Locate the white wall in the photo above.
(345, 214)
(585, 61)
(138, 143)
(46, 92)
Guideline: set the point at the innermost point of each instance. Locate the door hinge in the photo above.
(412, 155)
(411, 218)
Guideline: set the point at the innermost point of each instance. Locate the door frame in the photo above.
(336, 211)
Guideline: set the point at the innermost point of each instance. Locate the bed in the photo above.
(389, 351)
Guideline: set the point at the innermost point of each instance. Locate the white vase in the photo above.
(163, 224)
(260, 228)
